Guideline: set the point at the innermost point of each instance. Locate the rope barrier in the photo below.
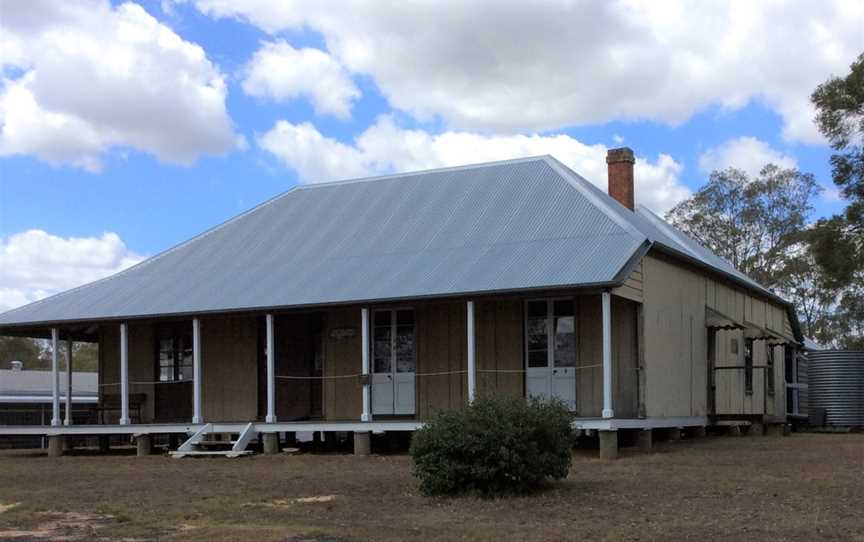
(355, 375)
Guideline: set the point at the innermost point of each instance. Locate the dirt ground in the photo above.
(801, 487)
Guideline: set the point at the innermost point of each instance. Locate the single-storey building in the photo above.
(367, 305)
(26, 398)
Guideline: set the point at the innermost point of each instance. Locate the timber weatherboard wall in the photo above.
(441, 347)
(676, 343)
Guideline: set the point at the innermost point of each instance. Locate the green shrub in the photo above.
(498, 445)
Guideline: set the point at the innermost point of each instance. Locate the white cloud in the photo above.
(534, 66)
(745, 153)
(385, 147)
(88, 77)
(35, 264)
(281, 72)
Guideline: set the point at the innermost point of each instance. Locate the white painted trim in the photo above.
(196, 438)
(271, 370)
(607, 355)
(124, 374)
(308, 426)
(239, 427)
(55, 377)
(366, 415)
(196, 371)
(640, 423)
(472, 354)
(244, 438)
(68, 420)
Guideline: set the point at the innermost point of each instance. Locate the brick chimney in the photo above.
(620, 164)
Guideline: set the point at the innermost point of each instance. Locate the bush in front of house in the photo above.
(496, 446)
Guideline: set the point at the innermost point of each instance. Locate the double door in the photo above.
(394, 362)
(550, 343)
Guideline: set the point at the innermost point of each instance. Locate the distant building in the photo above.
(26, 399)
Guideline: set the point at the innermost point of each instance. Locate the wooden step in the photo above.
(210, 453)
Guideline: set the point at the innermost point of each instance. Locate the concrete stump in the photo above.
(608, 444)
(143, 445)
(644, 440)
(55, 445)
(104, 444)
(757, 429)
(673, 434)
(362, 443)
(271, 443)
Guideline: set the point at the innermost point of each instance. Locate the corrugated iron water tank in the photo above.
(837, 385)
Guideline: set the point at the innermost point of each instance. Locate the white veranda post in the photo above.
(196, 371)
(124, 374)
(607, 355)
(68, 420)
(55, 377)
(366, 416)
(271, 368)
(472, 361)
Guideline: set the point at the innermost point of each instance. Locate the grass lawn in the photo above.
(802, 487)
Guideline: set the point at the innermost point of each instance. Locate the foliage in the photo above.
(837, 242)
(753, 223)
(498, 445)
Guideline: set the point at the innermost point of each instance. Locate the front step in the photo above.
(211, 453)
(202, 442)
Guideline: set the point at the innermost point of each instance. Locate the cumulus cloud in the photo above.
(78, 78)
(385, 148)
(535, 66)
(35, 264)
(745, 153)
(280, 72)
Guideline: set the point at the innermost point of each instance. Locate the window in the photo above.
(550, 333)
(175, 357)
(748, 365)
(393, 341)
(769, 371)
(733, 346)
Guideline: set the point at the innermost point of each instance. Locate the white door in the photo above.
(550, 342)
(394, 362)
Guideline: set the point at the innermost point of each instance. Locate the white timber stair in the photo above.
(208, 442)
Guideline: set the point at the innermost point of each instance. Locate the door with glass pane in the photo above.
(394, 361)
(550, 344)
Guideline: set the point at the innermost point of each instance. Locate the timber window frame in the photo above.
(400, 322)
(174, 355)
(554, 317)
(748, 366)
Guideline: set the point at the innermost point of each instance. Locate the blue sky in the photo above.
(76, 168)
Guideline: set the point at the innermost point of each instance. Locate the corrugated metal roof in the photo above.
(511, 225)
(29, 383)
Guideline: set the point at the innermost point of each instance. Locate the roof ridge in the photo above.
(387, 176)
(593, 194)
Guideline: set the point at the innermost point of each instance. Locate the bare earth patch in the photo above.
(803, 487)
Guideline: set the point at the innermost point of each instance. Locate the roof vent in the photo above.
(620, 164)
(16, 365)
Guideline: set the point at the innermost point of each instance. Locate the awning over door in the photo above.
(717, 320)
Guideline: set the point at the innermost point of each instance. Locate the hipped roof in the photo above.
(502, 226)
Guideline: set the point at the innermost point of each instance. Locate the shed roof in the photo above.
(36, 386)
(502, 226)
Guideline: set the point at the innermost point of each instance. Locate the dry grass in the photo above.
(803, 487)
